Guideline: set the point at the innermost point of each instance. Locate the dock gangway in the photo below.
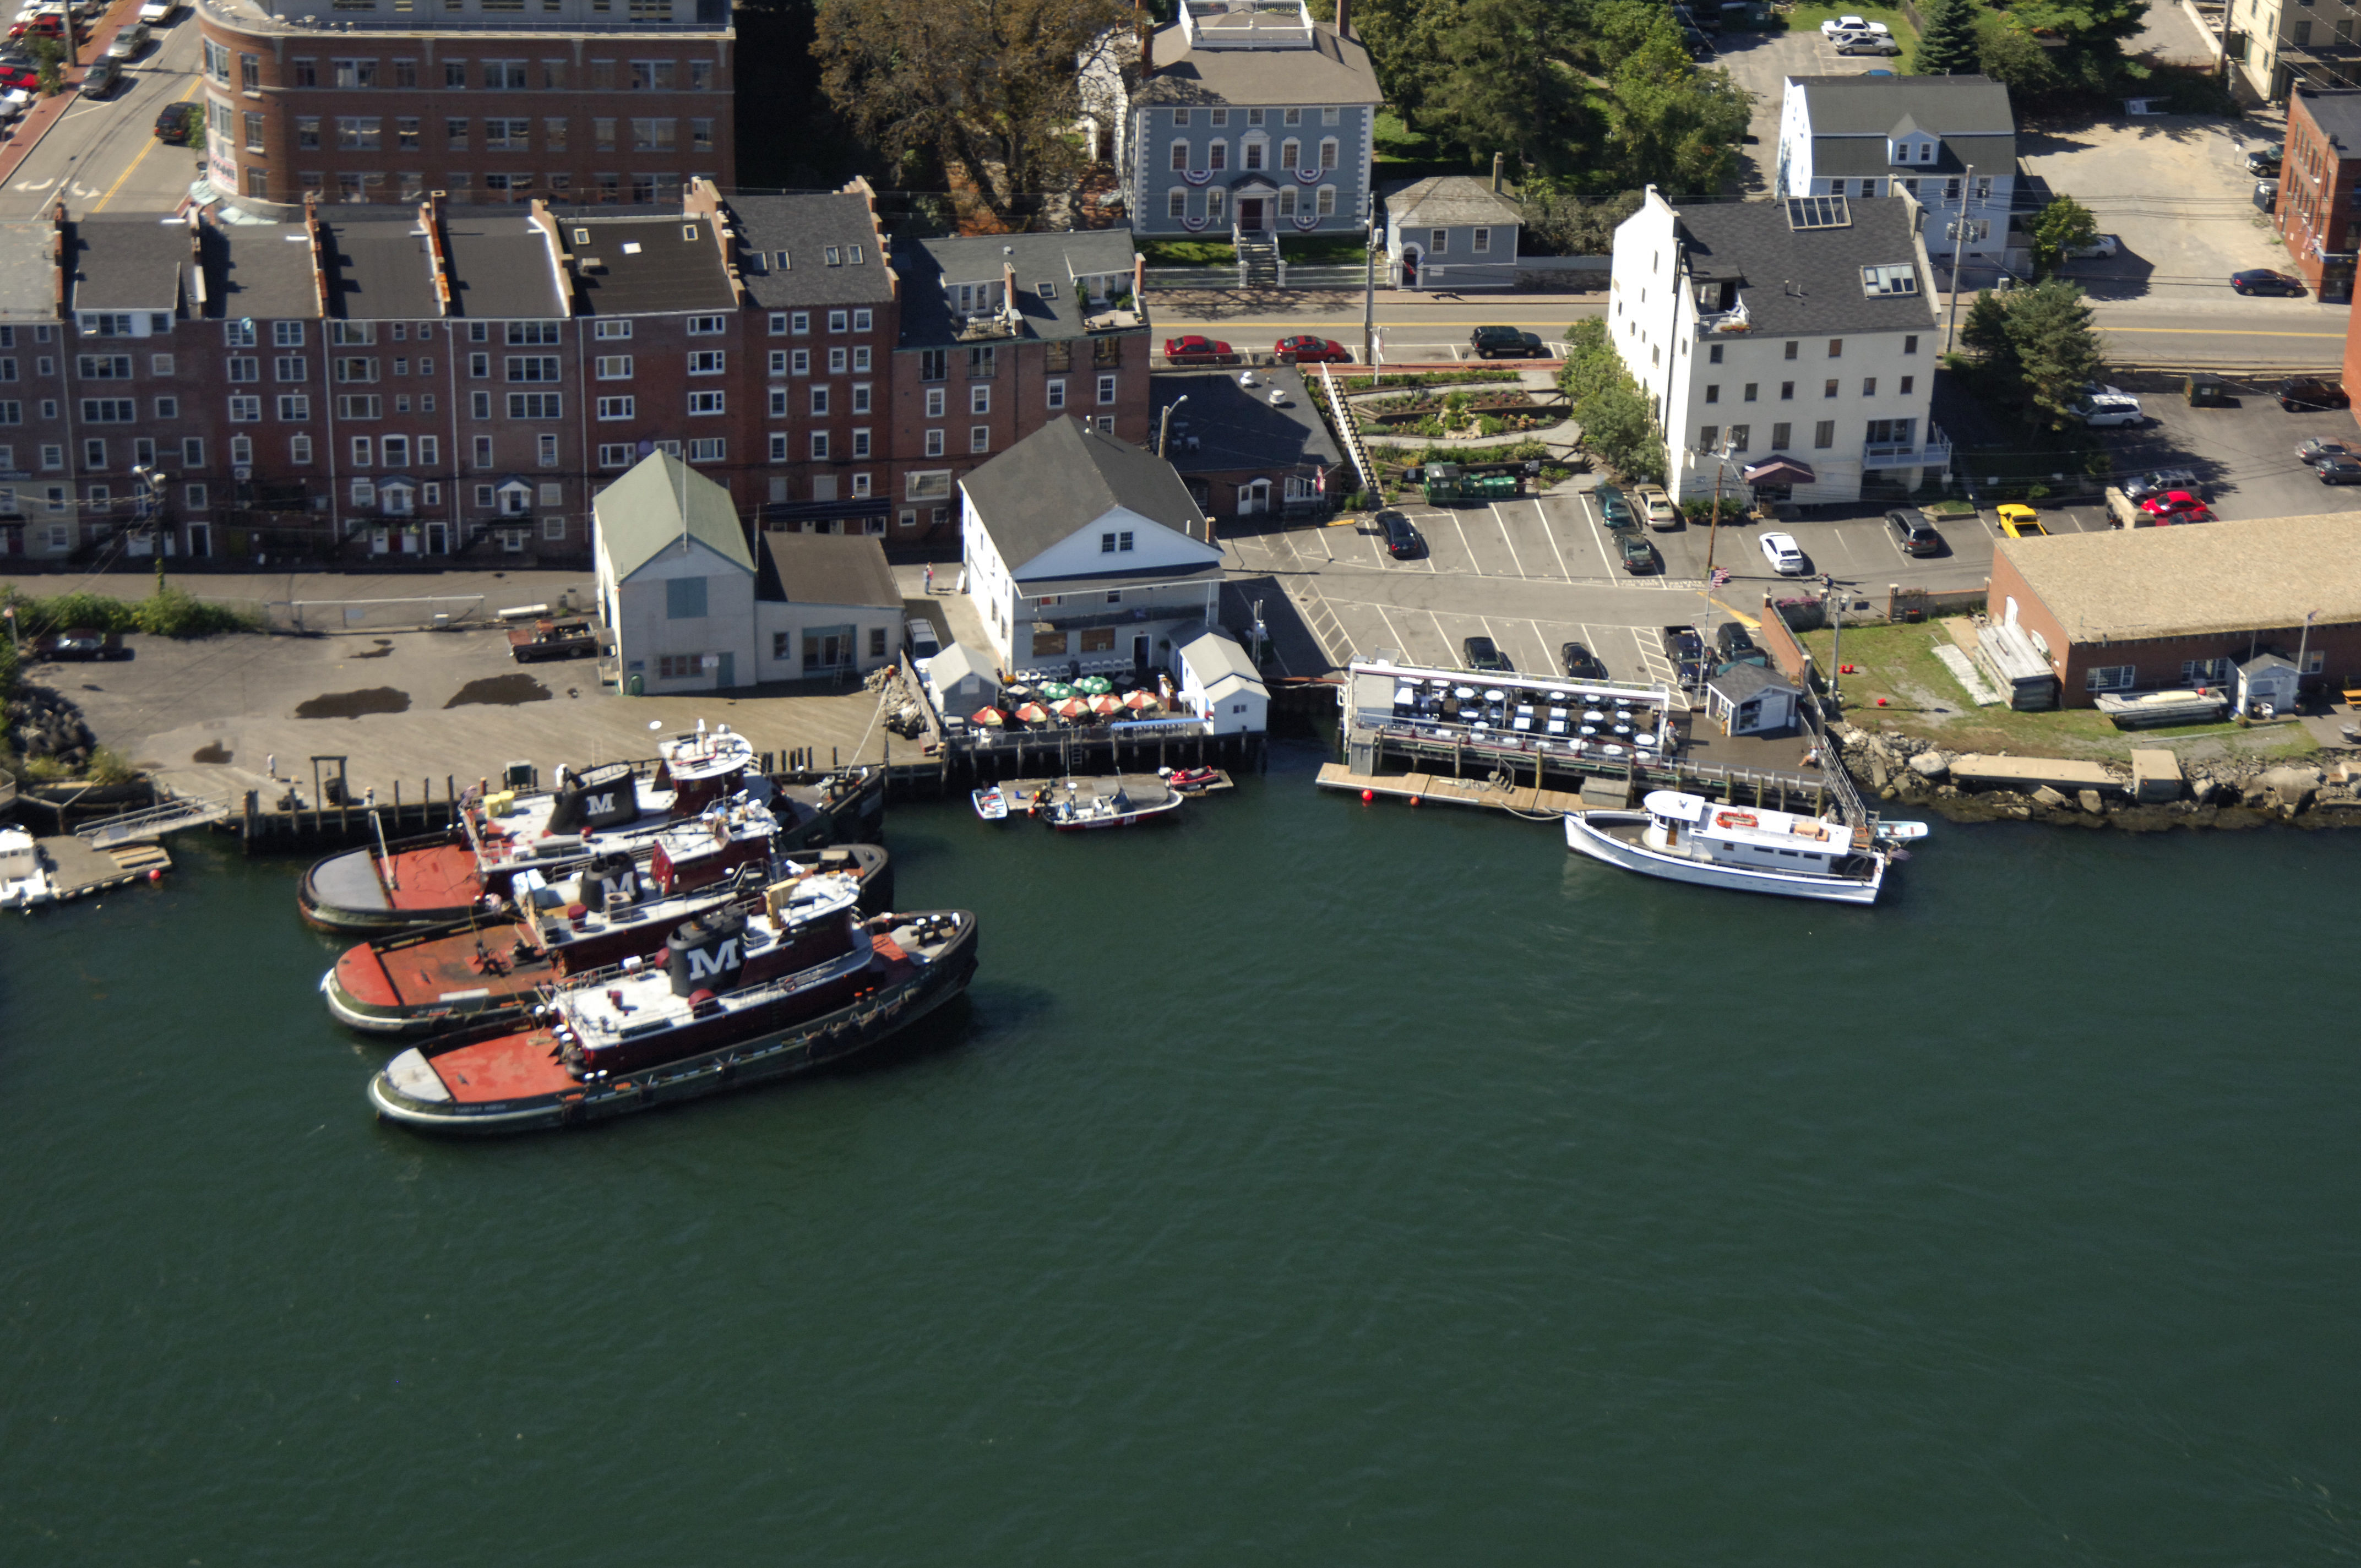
(152, 823)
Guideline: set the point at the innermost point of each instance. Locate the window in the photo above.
(616, 408)
(707, 362)
(709, 449)
(358, 133)
(979, 399)
(1324, 202)
(2207, 672)
(395, 450)
(1713, 394)
(192, 452)
(244, 409)
(608, 330)
(862, 319)
(1869, 386)
(861, 396)
(360, 406)
(934, 443)
(1791, 350)
(361, 451)
(545, 455)
(685, 599)
(707, 403)
(978, 438)
(1483, 242)
(618, 456)
(104, 367)
(94, 454)
(1824, 434)
(819, 445)
(708, 326)
(819, 399)
(1780, 435)
(193, 496)
(536, 405)
(289, 367)
(1740, 437)
(1713, 354)
(1109, 544)
(2110, 678)
(168, 408)
(294, 406)
(1787, 391)
(1057, 394)
(355, 369)
(1910, 344)
(241, 449)
(1828, 389)
(614, 367)
(528, 367)
(479, 405)
(455, 134)
(861, 443)
(1907, 383)
(1106, 389)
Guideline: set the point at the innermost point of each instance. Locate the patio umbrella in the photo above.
(1073, 707)
(1033, 713)
(1141, 701)
(990, 715)
(1103, 703)
(1094, 685)
(1056, 691)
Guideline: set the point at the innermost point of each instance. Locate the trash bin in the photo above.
(2205, 392)
(631, 685)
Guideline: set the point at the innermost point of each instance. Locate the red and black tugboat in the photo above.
(474, 972)
(735, 998)
(435, 880)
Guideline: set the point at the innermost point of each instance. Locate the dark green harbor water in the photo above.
(1308, 1184)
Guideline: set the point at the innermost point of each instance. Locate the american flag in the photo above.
(1720, 576)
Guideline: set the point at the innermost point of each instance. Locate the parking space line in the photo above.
(1502, 524)
(1393, 631)
(1582, 499)
(1465, 543)
(1551, 534)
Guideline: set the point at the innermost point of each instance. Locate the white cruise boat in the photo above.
(1686, 838)
(23, 883)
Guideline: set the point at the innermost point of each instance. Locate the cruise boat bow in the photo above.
(1686, 838)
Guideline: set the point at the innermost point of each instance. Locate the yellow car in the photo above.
(2020, 522)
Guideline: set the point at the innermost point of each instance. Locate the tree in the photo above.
(1618, 426)
(2038, 347)
(1408, 44)
(1510, 86)
(989, 89)
(1560, 222)
(2065, 225)
(48, 65)
(1946, 40)
(2010, 57)
(1674, 126)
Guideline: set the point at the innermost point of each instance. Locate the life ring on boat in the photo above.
(1733, 819)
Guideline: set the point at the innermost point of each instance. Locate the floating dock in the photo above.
(1525, 800)
(77, 870)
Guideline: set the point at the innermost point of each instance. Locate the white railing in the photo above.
(1935, 453)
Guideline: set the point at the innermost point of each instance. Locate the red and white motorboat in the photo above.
(733, 999)
(434, 880)
(459, 976)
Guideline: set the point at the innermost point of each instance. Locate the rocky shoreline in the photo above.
(2220, 792)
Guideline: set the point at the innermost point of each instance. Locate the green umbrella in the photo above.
(1056, 691)
(1094, 685)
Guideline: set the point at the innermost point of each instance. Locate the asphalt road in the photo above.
(102, 156)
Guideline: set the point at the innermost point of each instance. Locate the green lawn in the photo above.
(1188, 252)
(1898, 664)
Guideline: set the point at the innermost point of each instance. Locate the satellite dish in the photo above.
(655, 724)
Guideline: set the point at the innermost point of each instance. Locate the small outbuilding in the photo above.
(675, 579)
(960, 680)
(2267, 685)
(1747, 700)
(1453, 231)
(826, 606)
(1220, 682)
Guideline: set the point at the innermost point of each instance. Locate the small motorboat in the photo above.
(1127, 803)
(991, 803)
(1190, 779)
(23, 883)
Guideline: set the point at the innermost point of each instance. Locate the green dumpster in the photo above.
(1445, 482)
(2205, 392)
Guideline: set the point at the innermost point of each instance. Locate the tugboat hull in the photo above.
(410, 1091)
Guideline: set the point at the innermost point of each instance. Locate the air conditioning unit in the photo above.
(243, 471)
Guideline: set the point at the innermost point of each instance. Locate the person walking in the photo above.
(930, 577)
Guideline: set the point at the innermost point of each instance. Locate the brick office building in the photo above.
(578, 101)
(2320, 188)
(1001, 335)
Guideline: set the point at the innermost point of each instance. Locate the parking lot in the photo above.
(1761, 62)
(2244, 456)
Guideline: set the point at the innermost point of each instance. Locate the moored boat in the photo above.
(437, 879)
(740, 998)
(1686, 838)
(991, 803)
(473, 972)
(1083, 806)
(23, 880)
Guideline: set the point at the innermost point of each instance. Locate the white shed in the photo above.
(2268, 681)
(1747, 700)
(1219, 683)
(960, 679)
(675, 579)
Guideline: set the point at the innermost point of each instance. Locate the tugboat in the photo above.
(471, 973)
(736, 998)
(1686, 838)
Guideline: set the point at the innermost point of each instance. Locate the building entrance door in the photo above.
(726, 673)
(1250, 214)
(1139, 653)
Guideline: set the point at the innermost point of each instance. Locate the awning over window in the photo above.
(1780, 471)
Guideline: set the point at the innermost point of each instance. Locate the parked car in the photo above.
(1733, 644)
(175, 123)
(1781, 551)
(49, 25)
(1402, 540)
(1656, 506)
(2266, 159)
(2105, 246)
(1310, 351)
(1483, 653)
(23, 78)
(2177, 506)
(1682, 644)
(1867, 43)
(1614, 508)
(78, 644)
(1639, 556)
(127, 41)
(2263, 280)
(2267, 194)
(1836, 25)
(102, 77)
(156, 13)
(1581, 663)
(2303, 394)
(2315, 449)
(2338, 470)
(2163, 479)
(2103, 412)
(2020, 521)
(1915, 533)
(1195, 349)
(924, 643)
(1505, 342)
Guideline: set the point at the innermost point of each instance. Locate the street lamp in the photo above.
(1164, 428)
(1721, 455)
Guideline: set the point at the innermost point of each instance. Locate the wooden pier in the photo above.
(1525, 800)
(78, 870)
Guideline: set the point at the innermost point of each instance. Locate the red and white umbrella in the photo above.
(1105, 704)
(1033, 713)
(1141, 701)
(988, 716)
(1073, 707)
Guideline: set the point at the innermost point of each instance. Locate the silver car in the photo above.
(128, 42)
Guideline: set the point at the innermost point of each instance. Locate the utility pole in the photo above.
(1369, 305)
(1836, 646)
(1958, 244)
(1713, 532)
(1164, 428)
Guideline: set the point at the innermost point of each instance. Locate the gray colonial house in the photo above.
(1248, 116)
(1453, 231)
(1085, 553)
(1949, 142)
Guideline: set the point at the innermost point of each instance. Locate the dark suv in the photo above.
(1581, 663)
(1483, 653)
(1401, 539)
(2302, 394)
(1915, 534)
(1505, 342)
(1735, 646)
(1685, 649)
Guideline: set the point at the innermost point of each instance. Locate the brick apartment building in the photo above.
(596, 102)
(460, 380)
(2320, 188)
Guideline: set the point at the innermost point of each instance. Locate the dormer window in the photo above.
(1925, 152)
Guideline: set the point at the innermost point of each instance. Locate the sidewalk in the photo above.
(27, 132)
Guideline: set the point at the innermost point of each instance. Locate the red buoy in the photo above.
(1881, 702)
(1368, 796)
(1413, 800)
(156, 874)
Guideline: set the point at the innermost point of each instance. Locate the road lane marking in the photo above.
(153, 143)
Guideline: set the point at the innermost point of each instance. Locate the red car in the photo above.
(49, 26)
(1195, 349)
(2176, 506)
(16, 76)
(1310, 351)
